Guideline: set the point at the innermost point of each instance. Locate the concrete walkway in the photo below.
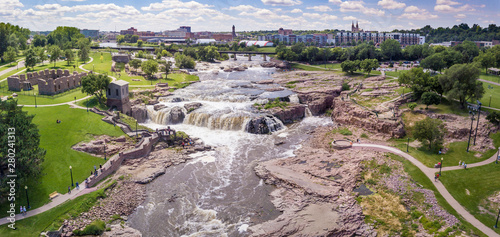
(19, 64)
(55, 202)
(430, 172)
(494, 83)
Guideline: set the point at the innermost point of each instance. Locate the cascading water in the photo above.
(219, 193)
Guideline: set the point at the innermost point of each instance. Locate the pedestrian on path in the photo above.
(20, 209)
(77, 186)
(69, 190)
(459, 163)
(24, 210)
(436, 177)
(465, 166)
(95, 168)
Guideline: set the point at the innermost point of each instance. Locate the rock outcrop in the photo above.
(290, 114)
(176, 115)
(263, 125)
(348, 113)
(140, 113)
(192, 106)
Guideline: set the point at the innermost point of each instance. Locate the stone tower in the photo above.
(117, 96)
(234, 32)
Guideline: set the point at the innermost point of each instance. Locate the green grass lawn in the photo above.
(53, 218)
(445, 107)
(98, 65)
(494, 93)
(59, 65)
(267, 49)
(27, 98)
(457, 152)
(392, 73)
(298, 66)
(481, 183)
(77, 125)
(417, 175)
(489, 77)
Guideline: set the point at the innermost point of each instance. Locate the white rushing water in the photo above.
(219, 193)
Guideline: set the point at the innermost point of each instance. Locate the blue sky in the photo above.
(204, 15)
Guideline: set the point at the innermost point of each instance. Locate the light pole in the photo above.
(496, 223)
(498, 155)
(136, 135)
(477, 125)
(407, 144)
(28, 200)
(489, 105)
(470, 131)
(35, 101)
(104, 150)
(440, 166)
(71, 173)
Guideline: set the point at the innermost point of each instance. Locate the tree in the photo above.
(486, 60)
(412, 106)
(430, 132)
(368, 65)
(26, 147)
(391, 48)
(139, 43)
(166, 67)
(83, 53)
(149, 67)
(134, 39)
(55, 53)
(429, 98)
(40, 52)
(418, 80)
(460, 82)
(68, 53)
(39, 41)
(468, 49)
(95, 85)
(494, 118)
(120, 39)
(349, 66)
(183, 61)
(191, 52)
(435, 62)
(30, 60)
(10, 54)
(135, 63)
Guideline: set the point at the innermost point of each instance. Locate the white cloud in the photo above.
(390, 4)
(359, 6)
(335, 1)
(450, 9)
(349, 18)
(10, 4)
(318, 16)
(320, 8)
(244, 8)
(460, 16)
(415, 13)
(412, 9)
(296, 10)
(169, 4)
(446, 2)
(281, 2)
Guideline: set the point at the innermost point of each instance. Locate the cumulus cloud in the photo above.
(415, 13)
(281, 2)
(460, 16)
(168, 4)
(349, 18)
(318, 16)
(450, 9)
(446, 2)
(391, 4)
(359, 6)
(320, 8)
(296, 11)
(335, 1)
(10, 4)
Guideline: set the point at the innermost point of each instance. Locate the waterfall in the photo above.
(218, 120)
(169, 115)
(308, 112)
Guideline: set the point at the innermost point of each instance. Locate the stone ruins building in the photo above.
(50, 82)
(117, 96)
(120, 58)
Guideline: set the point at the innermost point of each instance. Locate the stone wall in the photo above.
(50, 82)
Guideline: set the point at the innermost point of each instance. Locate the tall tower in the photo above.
(357, 26)
(352, 26)
(234, 32)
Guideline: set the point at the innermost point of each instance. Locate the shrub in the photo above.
(97, 227)
(364, 135)
(412, 106)
(371, 181)
(345, 131)
(345, 86)
(121, 177)
(494, 118)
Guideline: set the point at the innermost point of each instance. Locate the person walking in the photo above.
(77, 186)
(465, 166)
(24, 210)
(436, 177)
(459, 163)
(21, 210)
(95, 168)
(69, 189)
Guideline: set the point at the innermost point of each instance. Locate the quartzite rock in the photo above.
(192, 106)
(140, 113)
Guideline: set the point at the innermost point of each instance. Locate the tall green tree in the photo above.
(469, 51)
(55, 53)
(40, 53)
(350, 66)
(460, 82)
(391, 48)
(97, 85)
(10, 55)
(429, 98)
(435, 62)
(70, 56)
(135, 63)
(430, 132)
(149, 67)
(31, 58)
(418, 80)
(83, 53)
(486, 60)
(183, 61)
(368, 65)
(17, 126)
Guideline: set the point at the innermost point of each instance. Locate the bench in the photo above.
(53, 195)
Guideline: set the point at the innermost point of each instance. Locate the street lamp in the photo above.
(477, 125)
(104, 150)
(71, 173)
(496, 223)
(440, 166)
(489, 105)
(498, 155)
(136, 135)
(470, 131)
(35, 101)
(28, 200)
(407, 144)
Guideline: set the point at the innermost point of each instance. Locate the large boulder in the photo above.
(263, 125)
(140, 113)
(192, 106)
(176, 115)
(291, 113)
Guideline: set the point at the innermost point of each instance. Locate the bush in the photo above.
(97, 227)
(412, 106)
(494, 118)
(364, 135)
(345, 86)
(345, 131)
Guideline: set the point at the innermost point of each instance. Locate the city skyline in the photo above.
(204, 15)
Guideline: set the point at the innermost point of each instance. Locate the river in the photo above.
(218, 191)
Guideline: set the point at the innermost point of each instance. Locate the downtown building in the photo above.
(405, 39)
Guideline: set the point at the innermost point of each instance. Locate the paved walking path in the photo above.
(430, 172)
(55, 202)
(19, 64)
(494, 83)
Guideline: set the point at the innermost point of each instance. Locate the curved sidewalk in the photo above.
(430, 172)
